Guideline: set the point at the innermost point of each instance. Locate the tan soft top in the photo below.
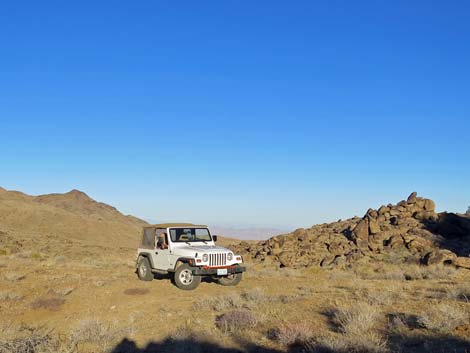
(175, 225)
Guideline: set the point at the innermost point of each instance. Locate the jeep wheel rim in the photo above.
(143, 270)
(186, 277)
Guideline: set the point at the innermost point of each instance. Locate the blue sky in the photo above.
(259, 113)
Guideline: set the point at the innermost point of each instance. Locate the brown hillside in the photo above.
(72, 216)
(410, 231)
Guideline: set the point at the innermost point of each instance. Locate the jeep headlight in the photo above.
(205, 257)
(229, 256)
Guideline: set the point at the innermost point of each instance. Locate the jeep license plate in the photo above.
(221, 272)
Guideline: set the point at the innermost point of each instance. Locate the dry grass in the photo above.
(9, 295)
(443, 318)
(255, 295)
(418, 272)
(52, 303)
(357, 325)
(101, 334)
(235, 321)
(219, 303)
(136, 291)
(461, 292)
(27, 339)
(31, 344)
(14, 276)
(293, 333)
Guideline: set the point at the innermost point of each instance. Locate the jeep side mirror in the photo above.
(214, 237)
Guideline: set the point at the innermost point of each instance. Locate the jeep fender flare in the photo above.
(183, 260)
(147, 256)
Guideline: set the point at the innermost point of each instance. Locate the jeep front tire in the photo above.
(185, 279)
(230, 280)
(144, 271)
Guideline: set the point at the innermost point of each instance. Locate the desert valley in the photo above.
(394, 280)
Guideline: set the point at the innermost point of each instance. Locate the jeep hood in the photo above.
(203, 248)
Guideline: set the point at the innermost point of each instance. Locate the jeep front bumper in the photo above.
(210, 271)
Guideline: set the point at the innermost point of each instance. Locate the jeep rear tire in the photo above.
(144, 271)
(185, 279)
(230, 280)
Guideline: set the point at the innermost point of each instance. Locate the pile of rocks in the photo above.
(410, 231)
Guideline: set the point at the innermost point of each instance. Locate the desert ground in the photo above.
(74, 294)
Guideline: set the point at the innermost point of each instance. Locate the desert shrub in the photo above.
(102, 334)
(136, 291)
(255, 295)
(90, 330)
(344, 344)
(3, 252)
(26, 339)
(419, 272)
(442, 318)
(458, 293)
(230, 301)
(31, 344)
(397, 324)
(285, 298)
(305, 291)
(236, 320)
(356, 319)
(357, 325)
(52, 303)
(292, 333)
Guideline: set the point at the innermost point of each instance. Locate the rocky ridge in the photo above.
(410, 231)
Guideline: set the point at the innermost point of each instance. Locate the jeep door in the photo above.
(161, 253)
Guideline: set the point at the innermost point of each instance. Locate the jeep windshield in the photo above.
(189, 235)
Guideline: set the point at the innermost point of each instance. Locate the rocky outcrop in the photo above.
(410, 231)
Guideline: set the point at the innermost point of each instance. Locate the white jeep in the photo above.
(188, 252)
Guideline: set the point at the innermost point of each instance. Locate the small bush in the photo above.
(419, 272)
(443, 318)
(90, 330)
(285, 299)
(357, 319)
(26, 339)
(235, 321)
(292, 333)
(255, 295)
(31, 344)
(230, 301)
(458, 293)
(357, 325)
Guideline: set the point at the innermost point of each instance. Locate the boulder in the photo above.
(463, 262)
(382, 210)
(429, 205)
(374, 226)
(439, 257)
(361, 231)
(412, 197)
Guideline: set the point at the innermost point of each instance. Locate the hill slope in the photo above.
(72, 216)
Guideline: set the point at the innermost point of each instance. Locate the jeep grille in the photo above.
(216, 260)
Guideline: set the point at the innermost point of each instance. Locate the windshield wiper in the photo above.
(187, 242)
